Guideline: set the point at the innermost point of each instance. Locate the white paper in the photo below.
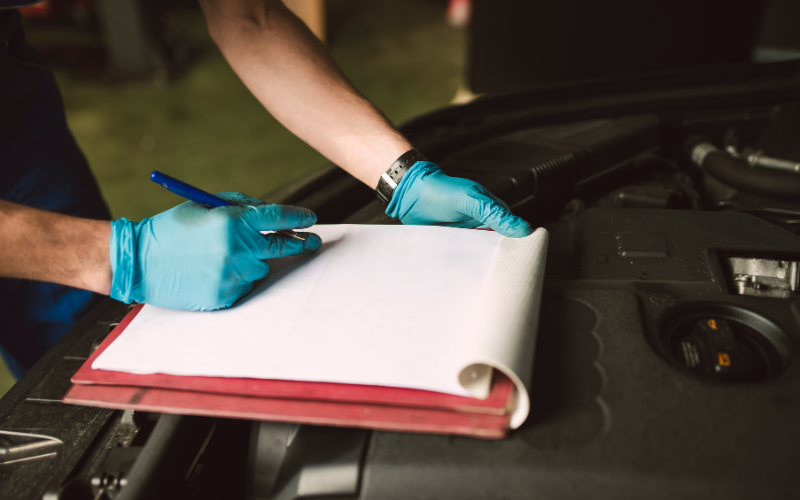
(505, 336)
(421, 307)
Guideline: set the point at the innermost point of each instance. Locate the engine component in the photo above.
(779, 138)
(724, 343)
(712, 347)
(112, 476)
(17, 446)
(763, 182)
(787, 219)
(773, 278)
(636, 196)
(538, 170)
(759, 159)
(293, 461)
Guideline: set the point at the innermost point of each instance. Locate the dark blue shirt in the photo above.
(41, 166)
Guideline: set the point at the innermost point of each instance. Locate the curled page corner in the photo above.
(521, 404)
(476, 379)
(505, 338)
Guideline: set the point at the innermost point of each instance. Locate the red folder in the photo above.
(387, 408)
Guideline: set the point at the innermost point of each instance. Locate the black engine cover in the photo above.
(611, 416)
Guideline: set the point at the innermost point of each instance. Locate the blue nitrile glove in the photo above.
(427, 196)
(193, 257)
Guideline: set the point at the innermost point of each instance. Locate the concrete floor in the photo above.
(206, 128)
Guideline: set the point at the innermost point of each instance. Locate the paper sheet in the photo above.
(429, 308)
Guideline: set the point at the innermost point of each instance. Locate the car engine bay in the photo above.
(666, 362)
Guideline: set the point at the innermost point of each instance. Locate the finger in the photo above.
(278, 217)
(230, 296)
(238, 199)
(275, 245)
(312, 240)
(498, 200)
(491, 214)
(252, 270)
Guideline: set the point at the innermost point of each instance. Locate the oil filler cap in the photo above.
(713, 348)
(724, 343)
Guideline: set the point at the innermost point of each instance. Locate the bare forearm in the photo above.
(291, 74)
(46, 246)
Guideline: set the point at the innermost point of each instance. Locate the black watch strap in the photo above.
(391, 178)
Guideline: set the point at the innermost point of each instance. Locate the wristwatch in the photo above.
(391, 178)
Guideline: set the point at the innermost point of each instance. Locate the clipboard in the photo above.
(351, 405)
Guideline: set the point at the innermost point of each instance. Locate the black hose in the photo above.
(739, 175)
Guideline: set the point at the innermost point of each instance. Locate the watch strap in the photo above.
(392, 177)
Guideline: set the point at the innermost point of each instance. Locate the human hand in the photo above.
(427, 196)
(192, 257)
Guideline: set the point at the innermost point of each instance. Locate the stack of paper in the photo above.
(429, 329)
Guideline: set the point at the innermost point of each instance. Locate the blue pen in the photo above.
(191, 193)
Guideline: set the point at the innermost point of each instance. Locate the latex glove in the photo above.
(192, 257)
(427, 196)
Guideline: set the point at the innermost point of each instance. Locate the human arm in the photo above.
(47, 246)
(189, 257)
(289, 71)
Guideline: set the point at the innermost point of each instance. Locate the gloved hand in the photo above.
(193, 257)
(427, 196)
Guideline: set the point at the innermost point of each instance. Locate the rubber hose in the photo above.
(740, 175)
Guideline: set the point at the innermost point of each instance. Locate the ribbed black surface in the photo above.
(536, 171)
(555, 179)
